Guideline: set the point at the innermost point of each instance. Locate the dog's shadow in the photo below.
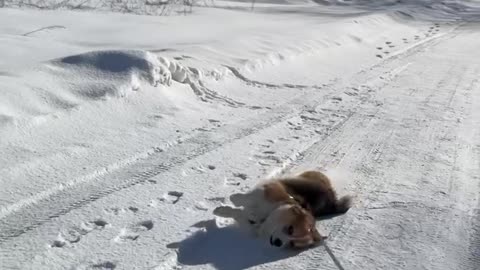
(226, 248)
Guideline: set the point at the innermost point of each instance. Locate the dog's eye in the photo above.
(289, 230)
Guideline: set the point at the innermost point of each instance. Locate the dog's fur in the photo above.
(313, 191)
(284, 209)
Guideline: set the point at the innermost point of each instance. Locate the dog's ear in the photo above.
(275, 192)
(317, 237)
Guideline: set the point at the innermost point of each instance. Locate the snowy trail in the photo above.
(415, 167)
(400, 131)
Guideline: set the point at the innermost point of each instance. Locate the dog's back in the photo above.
(313, 190)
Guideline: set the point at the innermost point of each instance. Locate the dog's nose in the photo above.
(275, 242)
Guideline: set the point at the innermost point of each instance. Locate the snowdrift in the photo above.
(65, 83)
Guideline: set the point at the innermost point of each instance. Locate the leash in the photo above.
(332, 256)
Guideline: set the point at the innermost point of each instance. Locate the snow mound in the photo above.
(67, 82)
(140, 65)
(98, 74)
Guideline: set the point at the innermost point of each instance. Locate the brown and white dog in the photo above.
(284, 209)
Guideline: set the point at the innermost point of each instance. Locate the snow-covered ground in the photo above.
(120, 133)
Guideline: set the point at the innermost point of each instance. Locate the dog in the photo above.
(284, 209)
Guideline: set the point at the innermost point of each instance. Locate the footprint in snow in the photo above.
(258, 107)
(120, 211)
(215, 122)
(267, 159)
(209, 203)
(132, 233)
(171, 197)
(337, 98)
(232, 181)
(354, 93)
(75, 234)
(242, 176)
(199, 168)
(104, 265)
(152, 181)
(211, 167)
(236, 179)
(202, 168)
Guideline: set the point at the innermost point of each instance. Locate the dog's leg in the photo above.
(239, 215)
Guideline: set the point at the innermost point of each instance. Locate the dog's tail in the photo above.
(334, 207)
(343, 204)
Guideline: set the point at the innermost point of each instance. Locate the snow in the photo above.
(120, 133)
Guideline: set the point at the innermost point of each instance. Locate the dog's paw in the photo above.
(318, 237)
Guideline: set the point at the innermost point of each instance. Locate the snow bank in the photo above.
(136, 66)
(67, 82)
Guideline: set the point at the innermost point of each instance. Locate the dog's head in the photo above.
(291, 226)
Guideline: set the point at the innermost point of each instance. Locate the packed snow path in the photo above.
(402, 134)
